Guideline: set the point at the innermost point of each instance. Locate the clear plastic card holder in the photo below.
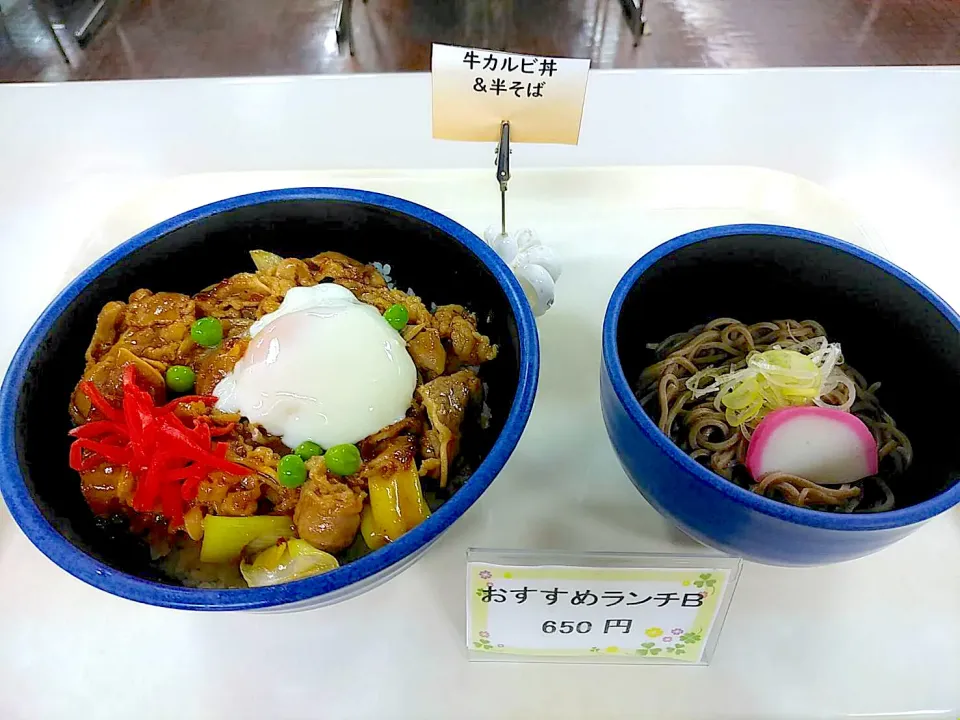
(542, 606)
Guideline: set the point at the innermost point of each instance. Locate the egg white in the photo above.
(323, 367)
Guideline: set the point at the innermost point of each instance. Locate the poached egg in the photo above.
(323, 367)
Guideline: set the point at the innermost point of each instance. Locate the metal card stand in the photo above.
(503, 171)
(535, 265)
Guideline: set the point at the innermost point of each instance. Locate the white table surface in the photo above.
(876, 637)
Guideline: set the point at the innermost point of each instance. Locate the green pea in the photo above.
(343, 459)
(207, 331)
(291, 472)
(396, 316)
(308, 449)
(180, 378)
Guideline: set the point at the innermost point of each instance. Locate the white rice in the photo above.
(183, 564)
(385, 271)
(486, 414)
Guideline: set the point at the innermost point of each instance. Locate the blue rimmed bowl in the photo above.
(892, 328)
(441, 260)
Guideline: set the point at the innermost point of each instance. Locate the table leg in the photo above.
(92, 22)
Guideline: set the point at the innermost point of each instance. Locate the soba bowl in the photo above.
(892, 329)
(443, 261)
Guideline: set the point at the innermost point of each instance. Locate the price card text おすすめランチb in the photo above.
(599, 606)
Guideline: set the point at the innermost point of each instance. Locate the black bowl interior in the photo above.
(889, 332)
(437, 267)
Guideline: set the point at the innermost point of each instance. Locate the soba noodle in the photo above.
(701, 429)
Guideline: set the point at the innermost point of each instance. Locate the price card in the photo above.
(476, 90)
(606, 607)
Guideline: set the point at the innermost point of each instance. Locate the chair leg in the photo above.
(344, 24)
(41, 9)
(339, 23)
(353, 49)
(638, 23)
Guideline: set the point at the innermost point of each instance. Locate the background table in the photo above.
(879, 635)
